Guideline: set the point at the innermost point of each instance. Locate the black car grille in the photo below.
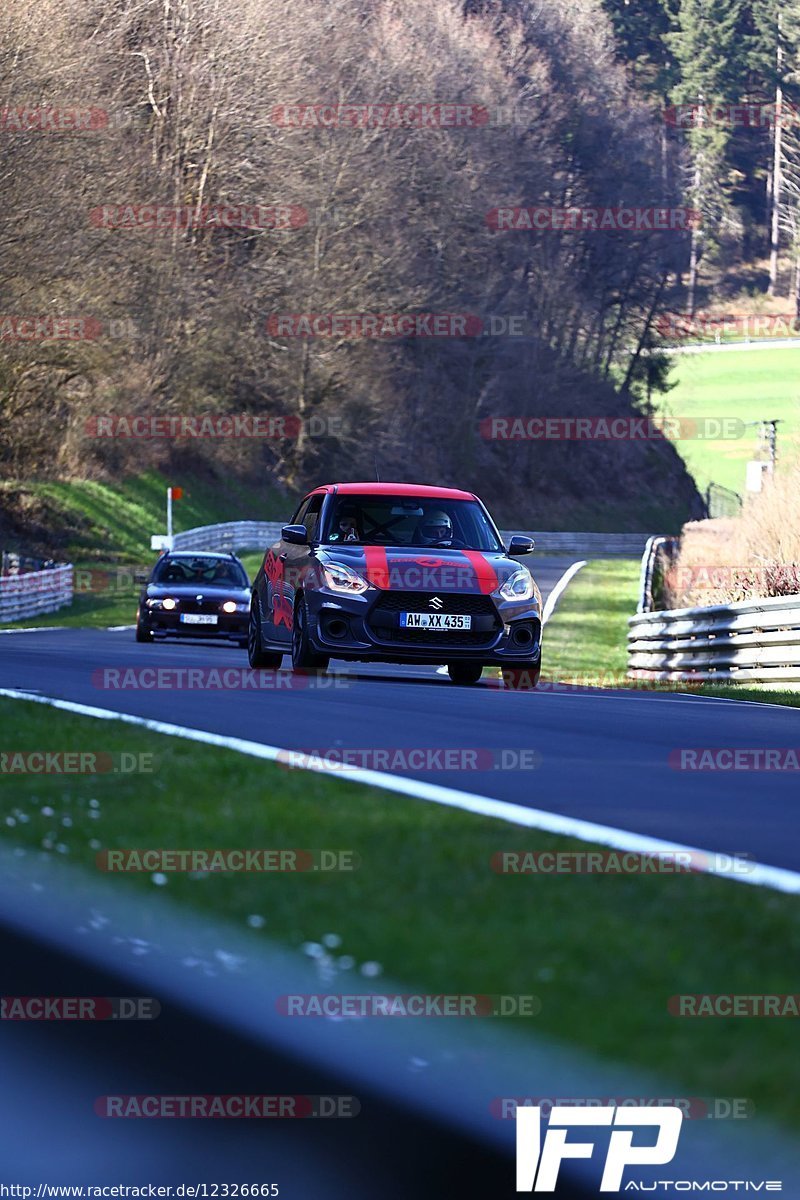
(452, 602)
(385, 628)
(200, 606)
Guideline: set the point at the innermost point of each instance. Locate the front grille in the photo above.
(452, 602)
(383, 619)
(199, 606)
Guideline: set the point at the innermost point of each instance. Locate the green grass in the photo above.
(586, 637)
(602, 953)
(748, 385)
(111, 522)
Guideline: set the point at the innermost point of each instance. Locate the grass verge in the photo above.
(603, 953)
(748, 385)
(585, 640)
(107, 522)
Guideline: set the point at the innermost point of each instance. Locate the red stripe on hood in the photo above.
(377, 566)
(487, 576)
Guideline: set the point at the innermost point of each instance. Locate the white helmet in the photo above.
(436, 527)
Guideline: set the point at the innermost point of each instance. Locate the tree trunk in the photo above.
(774, 238)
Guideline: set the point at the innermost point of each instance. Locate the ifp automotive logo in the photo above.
(538, 1162)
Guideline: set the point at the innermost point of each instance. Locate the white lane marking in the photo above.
(36, 629)
(558, 590)
(118, 628)
(551, 601)
(759, 874)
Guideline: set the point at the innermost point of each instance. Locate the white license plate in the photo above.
(445, 622)
(198, 619)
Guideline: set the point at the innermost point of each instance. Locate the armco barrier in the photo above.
(748, 641)
(35, 592)
(256, 535)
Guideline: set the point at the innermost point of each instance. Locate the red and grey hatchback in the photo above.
(397, 573)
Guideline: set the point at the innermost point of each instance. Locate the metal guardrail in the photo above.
(35, 592)
(747, 641)
(649, 558)
(256, 535)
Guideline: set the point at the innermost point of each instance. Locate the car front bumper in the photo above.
(367, 629)
(229, 626)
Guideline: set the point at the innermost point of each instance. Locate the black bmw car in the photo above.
(195, 594)
(398, 573)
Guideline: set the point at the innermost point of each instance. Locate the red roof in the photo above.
(397, 489)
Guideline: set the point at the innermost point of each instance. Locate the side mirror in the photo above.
(520, 545)
(296, 535)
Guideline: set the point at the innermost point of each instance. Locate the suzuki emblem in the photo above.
(435, 602)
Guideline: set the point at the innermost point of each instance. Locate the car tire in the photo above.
(303, 657)
(464, 673)
(259, 658)
(521, 677)
(143, 634)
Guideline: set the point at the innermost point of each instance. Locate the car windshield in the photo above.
(212, 572)
(409, 521)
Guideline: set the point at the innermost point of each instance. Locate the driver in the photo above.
(436, 528)
(348, 523)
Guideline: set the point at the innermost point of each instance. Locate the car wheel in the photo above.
(521, 677)
(256, 656)
(464, 672)
(303, 657)
(143, 634)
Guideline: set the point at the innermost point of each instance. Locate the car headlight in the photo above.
(168, 603)
(232, 606)
(518, 586)
(342, 579)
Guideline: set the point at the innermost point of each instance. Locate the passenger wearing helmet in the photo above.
(436, 529)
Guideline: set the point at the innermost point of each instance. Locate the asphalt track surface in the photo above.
(602, 755)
